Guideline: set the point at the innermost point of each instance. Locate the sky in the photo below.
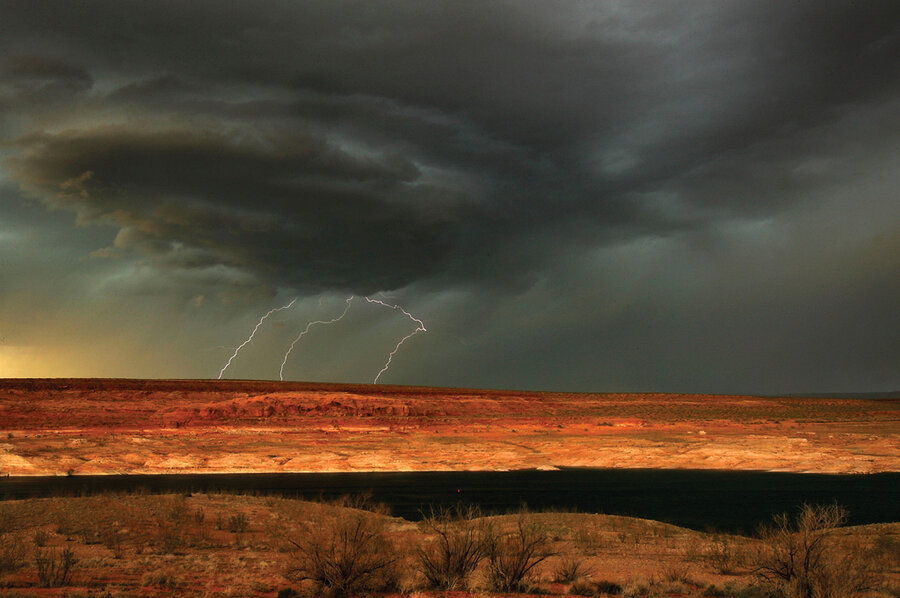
(696, 196)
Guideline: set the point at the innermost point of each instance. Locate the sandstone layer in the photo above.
(55, 427)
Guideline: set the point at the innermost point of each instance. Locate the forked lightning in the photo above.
(302, 334)
(419, 328)
(252, 334)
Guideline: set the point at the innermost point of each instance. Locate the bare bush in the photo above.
(177, 511)
(723, 555)
(40, 537)
(170, 537)
(513, 555)
(238, 523)
(804, 559)
(54, 569)
(112, 539)
(569, 569)
(346, 554)
(676, 573)
(458, 546)
(12, 553)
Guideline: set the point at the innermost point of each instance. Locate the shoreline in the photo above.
(438, 471)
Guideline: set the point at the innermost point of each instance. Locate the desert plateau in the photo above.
(59, 427)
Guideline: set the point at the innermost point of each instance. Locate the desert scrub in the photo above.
(583, 587)
(676, 573)
(457, 546)
(724, 555)
(164, 580)
(347, 553)
(54, 569)
(169, 537)
(802, 558)
(641, 590)
(589, 541)
(12, 553)
(608, 587)
(238, 523)
(714, 591)
(177, 510)
(513, 554)
(40, 537)
(113, 540)
(569, 569)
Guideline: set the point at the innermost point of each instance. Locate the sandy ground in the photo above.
(54, 427)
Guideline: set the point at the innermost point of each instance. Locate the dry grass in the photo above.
(169, 545)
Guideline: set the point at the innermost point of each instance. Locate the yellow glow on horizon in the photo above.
(33, 361)
(18, 361)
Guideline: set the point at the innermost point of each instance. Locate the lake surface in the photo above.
(699, 499)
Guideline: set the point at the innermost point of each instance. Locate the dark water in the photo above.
(700, 499)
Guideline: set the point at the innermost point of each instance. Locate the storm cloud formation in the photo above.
(693, 196)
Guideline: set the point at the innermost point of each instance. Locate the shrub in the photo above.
(886, 549)
(40, 537)
(160, 579)
(458, 547)
(177, 512)
(169, 536)
(583, 587)
(643, 589)
(588, 541)
(514, 555)
(676, 573)
(344, 555)
(569, 569)
(755, 592)
(238, 524)
(12, 553)
(722, 555)
(608, 587)
(54, 569)
(112, 539)
(800, 558)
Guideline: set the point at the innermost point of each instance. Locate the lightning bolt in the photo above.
(302, 334)
(419, 328)
(252, 334)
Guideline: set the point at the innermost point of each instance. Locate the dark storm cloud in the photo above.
(28, 79)
(532, 125)
(368, 147)
(284, 205)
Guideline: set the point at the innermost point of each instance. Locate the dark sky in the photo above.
(618, 196)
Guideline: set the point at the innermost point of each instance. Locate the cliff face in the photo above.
(138, 426)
